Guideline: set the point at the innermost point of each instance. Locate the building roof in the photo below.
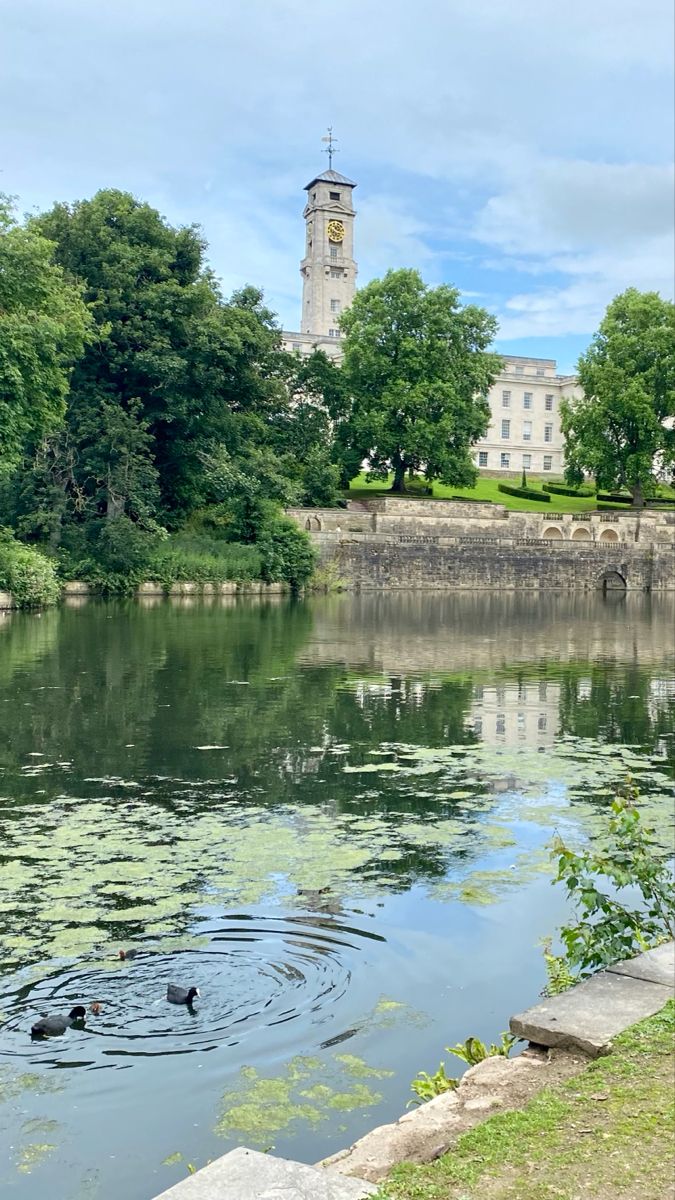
(330, 177)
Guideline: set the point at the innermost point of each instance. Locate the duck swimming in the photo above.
(53, 1025)
(179, 995)
(125, 954)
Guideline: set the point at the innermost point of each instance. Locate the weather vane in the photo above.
(330, 148)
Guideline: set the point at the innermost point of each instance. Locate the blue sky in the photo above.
(519, 149)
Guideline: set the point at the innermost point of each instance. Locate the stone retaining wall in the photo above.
(387, 543)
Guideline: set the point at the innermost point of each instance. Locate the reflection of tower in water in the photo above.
(516, 714)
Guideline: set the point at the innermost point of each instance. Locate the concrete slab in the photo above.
(589, 1015)
(248, 1175)
(656, 966)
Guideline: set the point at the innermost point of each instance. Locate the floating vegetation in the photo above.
(33, 1155)
(111, 865)
(306, 1093)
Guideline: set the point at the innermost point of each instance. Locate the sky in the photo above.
(520, 150)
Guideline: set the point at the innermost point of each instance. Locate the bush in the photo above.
(611, 925)
(287, 553)
(29, 575)
(524, 493)
(188, 557)
(615, 497)
(561, 489)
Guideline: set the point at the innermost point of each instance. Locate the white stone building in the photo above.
(524, 431)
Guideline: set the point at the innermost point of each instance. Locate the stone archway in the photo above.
(581, 535)
(609, 535)
(553, 532)
(613, 581)
(316, 524)
(308, 524)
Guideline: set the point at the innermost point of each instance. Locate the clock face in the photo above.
(336, 231)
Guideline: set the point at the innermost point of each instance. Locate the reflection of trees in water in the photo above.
(628, 705)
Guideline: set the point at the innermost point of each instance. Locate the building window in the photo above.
(482, 458)
(527, 431)
(297, 346)
(548, 462)
(335, 306)
(506, 399)
(520, 370)
(333, 251)
(527, 399)
(540, 371)
(336, 273)
(334, 333)
(334, 195)
(500, 724)
(506, 429)
(548, 433)
(541, 723)
(505, 460)
(548, 403)
(527, 462)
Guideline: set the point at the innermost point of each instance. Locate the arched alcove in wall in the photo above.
(613, 581)
(609, 535)
(581, 534)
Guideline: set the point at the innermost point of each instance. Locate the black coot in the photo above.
(179, 995)
(54, 1025)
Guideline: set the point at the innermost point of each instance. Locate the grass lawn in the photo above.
(606, 1134)
(486, 489)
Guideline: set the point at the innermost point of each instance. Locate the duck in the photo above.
(125, 954)
(180, 995)
(54, 1025)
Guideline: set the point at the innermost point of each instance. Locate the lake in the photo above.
(331, 816)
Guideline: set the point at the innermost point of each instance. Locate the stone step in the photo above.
(589, 1015)
(249, 1175)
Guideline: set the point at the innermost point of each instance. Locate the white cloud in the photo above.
(603, 227)
(552, 120)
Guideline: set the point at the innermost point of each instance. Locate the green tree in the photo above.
(621, 430)
(417, 369)
(173, 369)
(44, 326)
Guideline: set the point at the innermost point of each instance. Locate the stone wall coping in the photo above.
(590, 1015)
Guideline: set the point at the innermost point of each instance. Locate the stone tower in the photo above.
(328, 269)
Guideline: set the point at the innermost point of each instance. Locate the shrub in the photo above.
(525, 493)
(29, 575)
(286, 552)
(615, 497)
(562, 489)
(204, 560)
(610, 925)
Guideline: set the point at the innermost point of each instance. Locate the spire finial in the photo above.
(330, 148)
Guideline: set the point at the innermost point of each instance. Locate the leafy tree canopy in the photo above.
(44, 325)
(172, 369)
(417, 369)
(621, 430)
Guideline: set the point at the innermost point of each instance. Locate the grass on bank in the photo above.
(486, 489)
(606, 1133)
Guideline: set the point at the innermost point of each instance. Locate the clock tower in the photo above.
(328, 268)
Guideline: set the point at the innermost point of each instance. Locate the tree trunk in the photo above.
(399, 476)
(638, 498)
